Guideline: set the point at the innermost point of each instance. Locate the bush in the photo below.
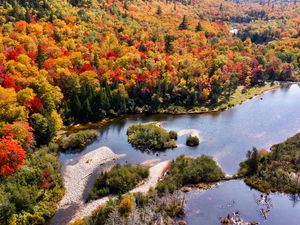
(126, 205)
(150, 136)
(167, 208)
(78, 141)
(187, 170)
(192, 141)
(173, 135)
(119, 180)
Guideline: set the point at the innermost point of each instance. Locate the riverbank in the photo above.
(155, 173)
(76, 177)
(237, 98)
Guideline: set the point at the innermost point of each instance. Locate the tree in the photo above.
(184, 24)
(35, 105)
(41, 56)
(198, 27)
(10, 110)
(44, 128)
(12, 156)
(159, 11)
(168, 43)
(19, 131)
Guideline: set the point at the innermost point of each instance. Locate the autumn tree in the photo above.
(12, 156)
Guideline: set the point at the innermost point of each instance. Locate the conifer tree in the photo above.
(198, 27)
(41, 56)
(159, 11)
(183, 25)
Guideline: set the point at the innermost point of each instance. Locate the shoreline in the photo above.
(155, 173)
(196, 110)
(76, 178)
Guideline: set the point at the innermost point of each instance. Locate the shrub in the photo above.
(119, 180)
(187, 170)
(126, 205)
(150, 136)
(167, 208)
(78, 141)
(173, 135)
(192, 141)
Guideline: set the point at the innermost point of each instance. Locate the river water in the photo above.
(226, 136)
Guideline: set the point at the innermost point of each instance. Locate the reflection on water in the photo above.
(226, 136)
(234, 198)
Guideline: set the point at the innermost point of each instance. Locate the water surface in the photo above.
(226, 136)
(208, 207)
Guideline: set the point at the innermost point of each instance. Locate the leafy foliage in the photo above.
(77, 141)
(119, 180)
(192, 141)
(30, 195)
(185, 170)
(144, 208)
(278, 170)
(150, 136)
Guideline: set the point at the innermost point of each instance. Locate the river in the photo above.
(226, 136)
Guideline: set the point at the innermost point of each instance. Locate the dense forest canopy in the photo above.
(66, 62)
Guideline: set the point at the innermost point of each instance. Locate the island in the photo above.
(150, 136)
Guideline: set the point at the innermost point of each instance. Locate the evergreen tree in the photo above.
(198, 27)
(41, 56)
(168, 43)
(159, 11)
(87, 111)
(221, 8)
(76, 107)
(184, 24)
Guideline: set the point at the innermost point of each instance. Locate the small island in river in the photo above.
(150, 136)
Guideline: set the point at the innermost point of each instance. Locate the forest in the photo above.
(78, 61)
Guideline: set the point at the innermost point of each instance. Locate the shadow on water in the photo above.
(64, 215)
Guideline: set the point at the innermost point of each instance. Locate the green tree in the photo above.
(159, 11)
(44, 127)
(168, 43)
(41, 56)
(198, 27)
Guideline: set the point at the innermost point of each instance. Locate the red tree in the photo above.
(12, 156)
(35, 105)
(20, 131)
